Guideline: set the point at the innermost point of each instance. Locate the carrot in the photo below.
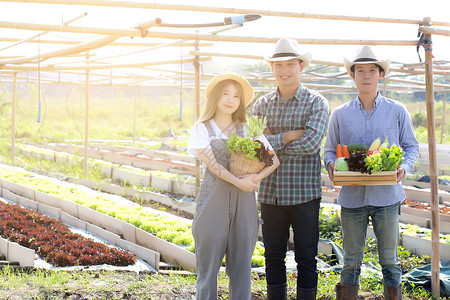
(345, 152)
(339, 150)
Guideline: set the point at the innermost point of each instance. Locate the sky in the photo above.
(267, 26)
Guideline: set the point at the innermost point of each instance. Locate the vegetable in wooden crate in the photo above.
(345, 151)
(339, 151)
(356, 162)
(352, 148)
(388, 159)
(341, 164)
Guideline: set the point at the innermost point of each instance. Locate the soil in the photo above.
(130, 286)
(127, 285)
(168, 209)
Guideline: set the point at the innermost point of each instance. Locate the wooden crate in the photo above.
(357, 178)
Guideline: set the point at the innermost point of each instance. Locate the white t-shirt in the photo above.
(200, 139)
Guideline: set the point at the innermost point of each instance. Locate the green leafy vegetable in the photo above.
(388, 159)
(352, 148)
(243, 145)
(341, 164)
(373, 162)
(256, 126)
(391, 158)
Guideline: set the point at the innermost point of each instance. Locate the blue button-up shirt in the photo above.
(350, 123)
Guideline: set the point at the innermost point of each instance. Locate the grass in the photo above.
(106, 284)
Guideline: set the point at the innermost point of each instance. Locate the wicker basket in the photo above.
(240, 165)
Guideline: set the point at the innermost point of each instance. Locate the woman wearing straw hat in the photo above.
(367, 117)
(226, 215)
(297, 120)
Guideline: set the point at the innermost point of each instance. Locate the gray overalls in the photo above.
(225, 223)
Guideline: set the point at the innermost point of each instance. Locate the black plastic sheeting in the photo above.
(422, 277)
(416, 277)
(442, 181)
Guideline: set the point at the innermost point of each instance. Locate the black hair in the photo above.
(352, 68)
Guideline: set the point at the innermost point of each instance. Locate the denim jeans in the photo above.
(304, 219)
(354, 222)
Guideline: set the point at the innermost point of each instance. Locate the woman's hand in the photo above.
(246, 183)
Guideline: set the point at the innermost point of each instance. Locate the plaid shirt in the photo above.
(297, 180)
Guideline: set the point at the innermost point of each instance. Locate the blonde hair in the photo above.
(214, 97)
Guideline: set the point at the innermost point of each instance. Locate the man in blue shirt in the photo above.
(362, 120)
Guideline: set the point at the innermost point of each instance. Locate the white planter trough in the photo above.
(50, 211)
(162, 184)
(104, 234)
(3, 246)
(9, 196)
(17, 188)
(329, 197)
(150, 256)
(423, 213)
(129, 177)
(47, 199)
(72, 221)
(169, 252)
(27, 202)
(127, 231)
(413, 219)
(185, 188)
(106, 170)
(422, 246)
(23, 255)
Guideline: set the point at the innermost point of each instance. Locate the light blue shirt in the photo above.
(350, 123)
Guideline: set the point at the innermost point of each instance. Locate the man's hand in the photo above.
(267, 131)
(293, 135)
(330, 169)
(400, 173)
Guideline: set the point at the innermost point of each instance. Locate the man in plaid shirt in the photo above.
(297, 119)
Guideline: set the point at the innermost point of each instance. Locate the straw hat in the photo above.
(365, 55)
(286, 49)
(246, 87)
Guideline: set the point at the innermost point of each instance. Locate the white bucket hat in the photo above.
(365, 55)
(286, 49)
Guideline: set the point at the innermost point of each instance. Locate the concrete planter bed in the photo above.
(173, 156)
(126, 231)
(125, 175)
(426, 185)
(113, 230)
(54, 241)
(169, 162)
(409, 214)
(418, 245)
(17, 253)
(422, 217)
(138, 195)
(81, 221)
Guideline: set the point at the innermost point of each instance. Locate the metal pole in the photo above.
(86, 123)
(13, 119)
(435, 257)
